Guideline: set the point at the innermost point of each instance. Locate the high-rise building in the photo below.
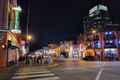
(101, 34)
(98, 16)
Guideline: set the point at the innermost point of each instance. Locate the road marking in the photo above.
(99, 74)
(49, 78)
(32, 76)
(35, 75)
(32, 73)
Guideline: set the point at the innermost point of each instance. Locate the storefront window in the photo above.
(110, 52)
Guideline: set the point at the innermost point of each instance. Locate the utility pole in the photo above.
(27, 27)
(28, 15)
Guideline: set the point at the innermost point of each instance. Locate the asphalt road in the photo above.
(82, 70)
(71, 70)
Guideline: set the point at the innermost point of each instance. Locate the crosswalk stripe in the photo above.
(32, 76)
(41, 72)
(48, 78)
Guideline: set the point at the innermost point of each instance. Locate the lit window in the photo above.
(110, 33)
(107, 41)
(106, 33)
(119, 41)
(111, 41)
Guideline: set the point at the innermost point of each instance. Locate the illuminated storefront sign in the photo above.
(110, 52)
(17, 16)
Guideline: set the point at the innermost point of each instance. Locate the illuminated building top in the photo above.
(96, 9)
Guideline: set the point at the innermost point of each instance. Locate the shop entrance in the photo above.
(111, 53)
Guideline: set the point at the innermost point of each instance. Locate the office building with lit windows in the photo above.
(101, 35)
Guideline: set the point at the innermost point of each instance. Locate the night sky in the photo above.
(55, 20)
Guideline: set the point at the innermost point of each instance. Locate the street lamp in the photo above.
(29, 37)
(94, 31)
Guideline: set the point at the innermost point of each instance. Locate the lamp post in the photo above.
(93, 33)
(28, 36)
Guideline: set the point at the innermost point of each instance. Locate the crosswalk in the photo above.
(35, 75)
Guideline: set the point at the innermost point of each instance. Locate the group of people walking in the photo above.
(36, 59)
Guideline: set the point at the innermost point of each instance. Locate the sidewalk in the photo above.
(6, 73)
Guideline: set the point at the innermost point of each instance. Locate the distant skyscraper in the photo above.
(97, 18)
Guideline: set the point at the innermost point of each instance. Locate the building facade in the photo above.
(101, 35)
(9, 31)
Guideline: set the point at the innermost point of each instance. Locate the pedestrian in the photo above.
(30, 62)
(38, 59)
(45, 60)
(49, 60)
(26, 59)
(42, 59)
